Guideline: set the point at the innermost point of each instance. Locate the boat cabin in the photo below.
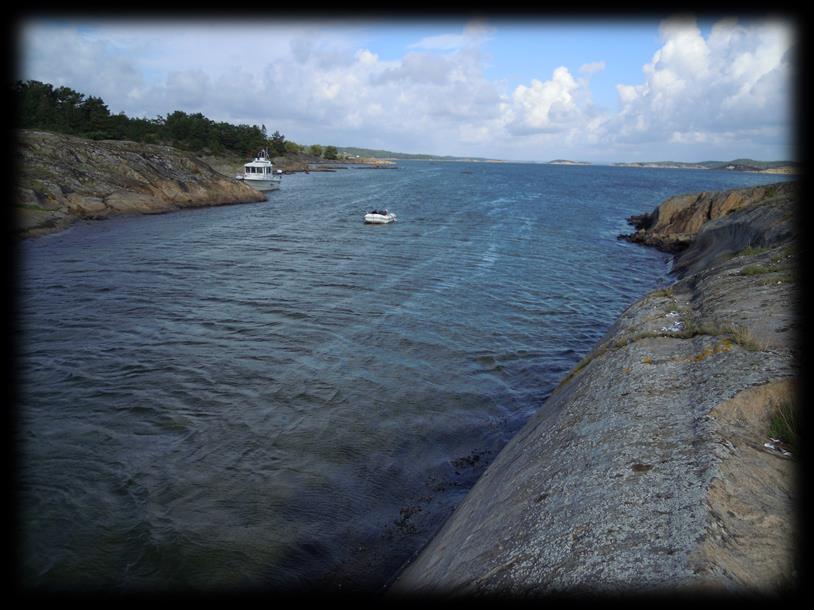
(260, 165)
(252, 168)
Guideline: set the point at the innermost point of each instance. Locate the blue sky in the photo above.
(517, 52)
(526, 51)
(679, 87)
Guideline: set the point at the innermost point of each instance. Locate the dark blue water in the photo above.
(278, 395)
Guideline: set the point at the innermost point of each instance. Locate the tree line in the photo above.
(61, 109)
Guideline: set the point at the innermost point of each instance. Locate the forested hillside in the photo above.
(42, 106)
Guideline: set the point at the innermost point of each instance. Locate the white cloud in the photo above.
(708, 90)
(322, 85)
(94, 67)
(592, 68)
(560, 105)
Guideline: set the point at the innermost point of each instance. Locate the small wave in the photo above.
(241, 398)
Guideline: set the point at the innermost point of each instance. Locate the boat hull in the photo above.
(262, 185)
(379, 219)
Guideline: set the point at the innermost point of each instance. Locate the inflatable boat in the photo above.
(379, 217)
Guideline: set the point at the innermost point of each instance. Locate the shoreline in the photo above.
(729, 306)
(63, 179)
(648, 469)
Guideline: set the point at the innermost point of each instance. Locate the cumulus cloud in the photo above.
(321, 85)
(419, 68)
(560, 105)
(698, 89)
(544, 106)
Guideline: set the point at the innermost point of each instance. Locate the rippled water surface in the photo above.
(278, 395)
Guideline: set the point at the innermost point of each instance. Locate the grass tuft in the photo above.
(785, 424)
(663, 292)
(754, 270)
(752, 251)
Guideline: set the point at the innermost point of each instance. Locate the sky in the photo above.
(681, 88)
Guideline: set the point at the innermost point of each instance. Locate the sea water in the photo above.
(278, 396)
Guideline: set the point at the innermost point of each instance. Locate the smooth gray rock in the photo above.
(639, 469)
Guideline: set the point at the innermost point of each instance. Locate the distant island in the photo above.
(741, 165)
(567, 162)
(372, 153)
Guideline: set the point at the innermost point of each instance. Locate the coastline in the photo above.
(647, 469)
(784, 169)
(744, 253)
(63, 178)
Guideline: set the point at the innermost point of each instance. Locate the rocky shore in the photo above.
(306, 164)
(650, 468)
(61, 179)
(674, 224)
(300, 163)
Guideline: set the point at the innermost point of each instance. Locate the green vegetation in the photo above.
(751, 251)
(31, 206)
(292, 148)
(663, 292)
(743, 337)
(780, 267)
(754, 270)
(788, 251)
(751, 163)
(63, 110)
(785, 424)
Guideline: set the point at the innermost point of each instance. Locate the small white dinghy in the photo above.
(379, 217)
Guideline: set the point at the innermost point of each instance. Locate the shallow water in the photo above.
(276, 395)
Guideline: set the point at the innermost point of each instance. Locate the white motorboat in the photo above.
(379, 217)
(259, 174)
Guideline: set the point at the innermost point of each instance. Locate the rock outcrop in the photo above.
(61, 178)
(673, 225)
(647, 469)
